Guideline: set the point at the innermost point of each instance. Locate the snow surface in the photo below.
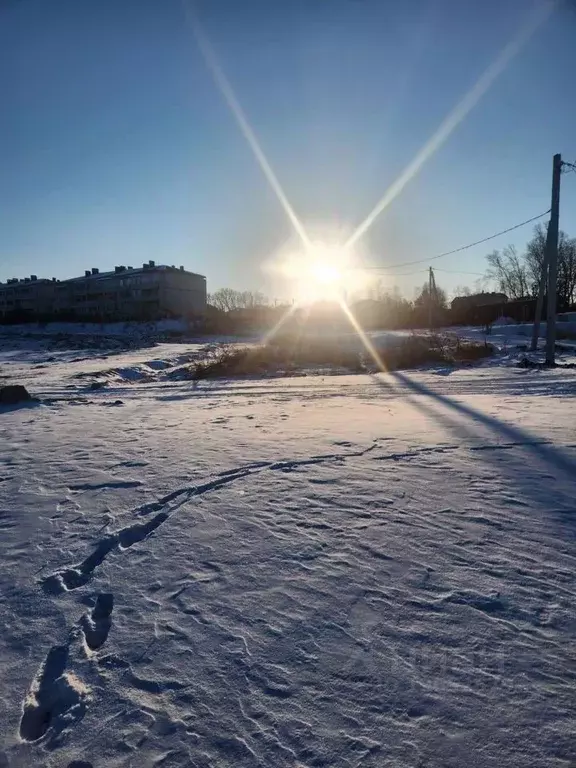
(315, 571)
(520, 334)
(138, 329)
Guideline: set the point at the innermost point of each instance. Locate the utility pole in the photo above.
(540, 300)
(431, 292)
(552, 259)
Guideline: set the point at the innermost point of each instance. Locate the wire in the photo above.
(463, 247)
(459, 272)
(404, 274)
(436, 269)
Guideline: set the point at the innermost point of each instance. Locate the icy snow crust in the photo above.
(315, 571)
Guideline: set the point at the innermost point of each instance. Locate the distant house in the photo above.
(477, 300)
(478, 309)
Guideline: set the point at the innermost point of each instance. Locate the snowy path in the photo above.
(348, 571)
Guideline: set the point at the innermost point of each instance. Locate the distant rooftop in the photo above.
(120, 270)
(96, 274)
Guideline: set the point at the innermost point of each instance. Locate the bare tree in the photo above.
(251, 299)
(462, 290)
(438, 300)
(567, 273)
(481, 284)
(224, 299)
(227, 299)
(510, 271)
(535, 252)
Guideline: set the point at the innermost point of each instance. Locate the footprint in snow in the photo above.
(56, 698)
(96, 625)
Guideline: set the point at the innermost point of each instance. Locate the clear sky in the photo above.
(116, 146)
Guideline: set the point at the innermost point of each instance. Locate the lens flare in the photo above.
(274, 330)
(368, 346)
(457, 115)
(227, 92)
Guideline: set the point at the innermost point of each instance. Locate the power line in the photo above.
(403, 274)
(459, 272)
(437, 269)
(463, 247)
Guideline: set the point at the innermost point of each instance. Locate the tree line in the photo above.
(230, 310)
(228, 300)
(231, 300)
(518, 274)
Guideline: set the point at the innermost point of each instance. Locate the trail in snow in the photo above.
(79, 575)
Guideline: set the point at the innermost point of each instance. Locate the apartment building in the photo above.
(27, 296)
(149, 292)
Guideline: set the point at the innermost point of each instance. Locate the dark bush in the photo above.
(470, 351)
(289, 355)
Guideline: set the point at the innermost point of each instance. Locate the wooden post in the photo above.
(552, 254)
(540, 300)
(430, 284)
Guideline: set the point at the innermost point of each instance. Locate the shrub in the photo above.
(470, 351)
(288, 355)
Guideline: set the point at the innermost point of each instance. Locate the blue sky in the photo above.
(116, 146)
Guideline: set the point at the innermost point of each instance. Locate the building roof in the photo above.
(479, 299)
(98, 275)
(131, 271)
(26, 281)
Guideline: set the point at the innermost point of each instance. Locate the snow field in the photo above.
(350, 571)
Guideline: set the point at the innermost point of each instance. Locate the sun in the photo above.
(325, 274)
(325, 270)
(321, 281)
(322, 274)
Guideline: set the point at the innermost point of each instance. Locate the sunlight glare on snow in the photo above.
(368, 345)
